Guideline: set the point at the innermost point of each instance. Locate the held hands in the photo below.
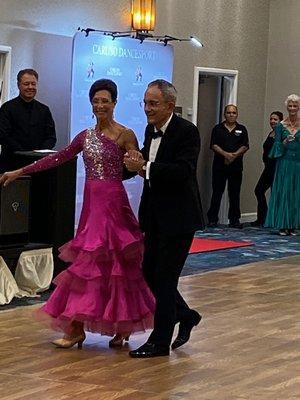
(134, 155)
(8, 177)
(134, 160)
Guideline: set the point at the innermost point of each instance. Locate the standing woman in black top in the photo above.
(266, 179)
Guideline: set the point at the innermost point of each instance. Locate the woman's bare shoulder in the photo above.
(123, 128)
(125, 132)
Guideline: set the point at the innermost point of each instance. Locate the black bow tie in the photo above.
(155, 135)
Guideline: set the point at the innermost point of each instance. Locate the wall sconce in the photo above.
(143, 15)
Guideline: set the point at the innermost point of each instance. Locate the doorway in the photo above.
(213, 89)
(5, 64)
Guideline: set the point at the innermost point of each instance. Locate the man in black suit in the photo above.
(25, 123)
(169, 214)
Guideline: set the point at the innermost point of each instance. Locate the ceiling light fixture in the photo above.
(143, 18)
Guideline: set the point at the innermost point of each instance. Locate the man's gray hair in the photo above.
(167, 89)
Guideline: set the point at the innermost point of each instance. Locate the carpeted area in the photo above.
(201, 245)
(268, 245)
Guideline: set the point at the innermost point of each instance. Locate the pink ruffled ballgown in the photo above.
(103, 287)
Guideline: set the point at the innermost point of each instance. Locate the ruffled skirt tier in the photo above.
(103, 287)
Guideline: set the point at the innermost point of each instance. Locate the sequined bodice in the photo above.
(103, 158)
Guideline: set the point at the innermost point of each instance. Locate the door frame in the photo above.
(232, 99)
(5, 53)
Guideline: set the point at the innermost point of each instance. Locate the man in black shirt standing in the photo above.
(25, 123)
(229, 141)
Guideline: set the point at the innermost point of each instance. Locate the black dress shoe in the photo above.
(184, 331)
(148, 350)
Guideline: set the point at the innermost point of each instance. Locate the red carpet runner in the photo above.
(202, 245)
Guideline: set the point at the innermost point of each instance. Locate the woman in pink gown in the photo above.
(103, 289)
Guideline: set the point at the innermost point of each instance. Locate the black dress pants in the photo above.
(164, 259)
(264, 183)
(219, 179)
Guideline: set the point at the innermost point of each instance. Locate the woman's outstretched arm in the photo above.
(51, 161)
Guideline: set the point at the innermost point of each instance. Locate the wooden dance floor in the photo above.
(246, 348)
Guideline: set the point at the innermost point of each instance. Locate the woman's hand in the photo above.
(135, 155)
(8, 177)
(134, 162)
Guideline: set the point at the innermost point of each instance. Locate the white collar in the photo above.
(164, 127)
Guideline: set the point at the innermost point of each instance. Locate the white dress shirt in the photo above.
(154, 146)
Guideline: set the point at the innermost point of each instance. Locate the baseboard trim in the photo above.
(248, 217)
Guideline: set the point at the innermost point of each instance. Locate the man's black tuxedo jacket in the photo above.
(170, 201)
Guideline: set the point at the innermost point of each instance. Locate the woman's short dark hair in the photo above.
(278, 113)
(104, 84)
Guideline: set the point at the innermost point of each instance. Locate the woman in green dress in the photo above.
(284, 205)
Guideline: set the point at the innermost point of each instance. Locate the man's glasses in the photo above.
(152, 103)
